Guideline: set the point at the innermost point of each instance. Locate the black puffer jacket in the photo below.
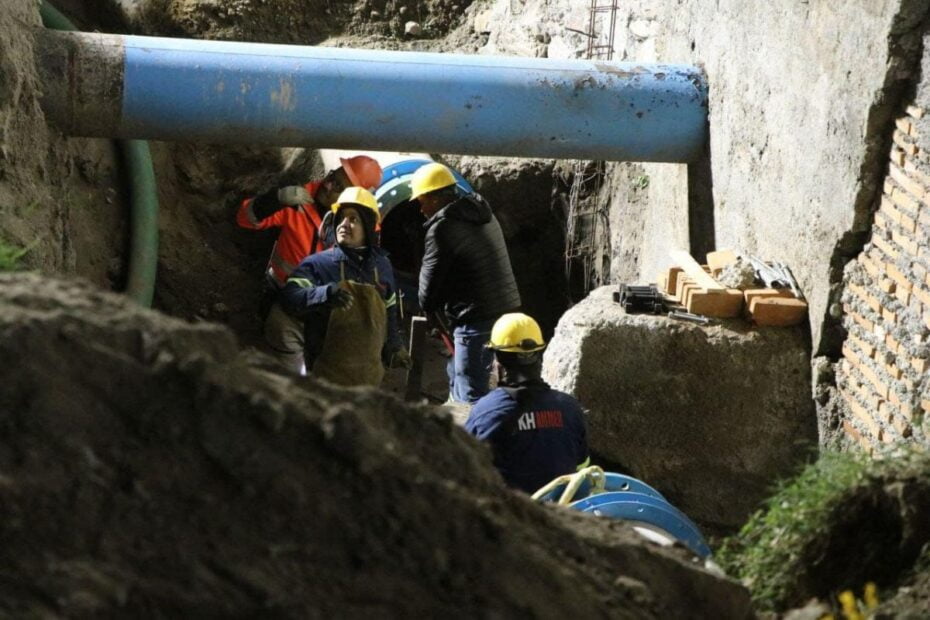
(466, 269)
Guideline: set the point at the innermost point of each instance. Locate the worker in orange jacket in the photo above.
(298, 210)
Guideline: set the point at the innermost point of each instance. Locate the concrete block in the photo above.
(711, 416)
(777, 311)
(725, 305)
(720, 259)
(671, 281)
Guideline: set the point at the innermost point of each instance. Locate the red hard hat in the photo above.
(363, 171)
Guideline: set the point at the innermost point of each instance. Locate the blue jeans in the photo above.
(469, 368)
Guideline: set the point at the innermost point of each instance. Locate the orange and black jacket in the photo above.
(300, 229)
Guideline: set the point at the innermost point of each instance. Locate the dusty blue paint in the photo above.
(646, 509)
(185, 89)
(395, 183)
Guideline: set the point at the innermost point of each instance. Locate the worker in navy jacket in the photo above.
(536, 433)
(346, 297)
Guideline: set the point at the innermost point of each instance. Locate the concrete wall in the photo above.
(803, 102)
(800, 94)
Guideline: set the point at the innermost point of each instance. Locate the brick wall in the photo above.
(882, 376)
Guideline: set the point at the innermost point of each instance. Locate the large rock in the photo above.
(148, 469)
(711, 416)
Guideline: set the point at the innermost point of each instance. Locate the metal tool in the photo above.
(681, 315)
(791, 281)
(640, 299)
(771, 276)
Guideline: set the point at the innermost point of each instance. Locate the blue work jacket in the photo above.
(308, 289)
(534, 440)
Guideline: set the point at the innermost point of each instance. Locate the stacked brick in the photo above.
(883, 375)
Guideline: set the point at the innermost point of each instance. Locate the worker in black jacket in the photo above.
(465, 276)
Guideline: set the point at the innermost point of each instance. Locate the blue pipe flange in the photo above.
(395, 183)
(612, 482)
(649, 510)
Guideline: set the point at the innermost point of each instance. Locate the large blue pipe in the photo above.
(185, 89)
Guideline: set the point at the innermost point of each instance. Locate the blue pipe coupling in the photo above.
(219, 91)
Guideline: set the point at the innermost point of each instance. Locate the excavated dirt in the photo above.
(294, 21)
(148, 468)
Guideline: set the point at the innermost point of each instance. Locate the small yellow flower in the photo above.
(870, 596)
(848, 603)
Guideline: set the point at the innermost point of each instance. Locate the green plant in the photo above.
(641, 182)
(780, 546)
(11, 255)
(763, 554)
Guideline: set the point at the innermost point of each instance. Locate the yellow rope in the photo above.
(572, 482)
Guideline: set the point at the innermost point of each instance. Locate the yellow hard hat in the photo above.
(516, 333)
(358, 196)
(429, 178)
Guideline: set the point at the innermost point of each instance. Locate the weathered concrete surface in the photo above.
(712, 417)
(801, 95)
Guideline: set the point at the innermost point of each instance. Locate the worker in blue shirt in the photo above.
(346, 297)
(536, 433)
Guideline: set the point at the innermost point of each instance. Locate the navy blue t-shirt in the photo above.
(545, 438)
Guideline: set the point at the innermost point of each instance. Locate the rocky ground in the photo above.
(149, 468)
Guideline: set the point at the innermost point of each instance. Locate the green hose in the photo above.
(143, 239)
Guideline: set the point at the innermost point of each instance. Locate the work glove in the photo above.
(400, 359)
(339, 297)
(294, 195)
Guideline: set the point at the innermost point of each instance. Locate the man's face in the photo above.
(351, 230)
(332, 185)
(429, 204)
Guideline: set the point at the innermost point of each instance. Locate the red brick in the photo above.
(889, 315)
(920, 364)
(865, 417)
(904, 200)
(880, 388)
(903, 428)
(868, 265)
(901, 140)
(889, 211)
(903, 295)
(885, 246)
(903, 125)
(863, 322)
(910, 185)
(897, 156)
(861, 344)
(892, 344)
(922, 295)
(898, 276)
(895, 373)
(905, 242)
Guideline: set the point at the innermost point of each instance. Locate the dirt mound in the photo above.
(304, 22)
(148, 468)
